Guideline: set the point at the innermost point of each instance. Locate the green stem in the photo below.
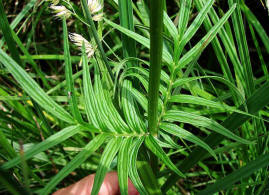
(156, 47)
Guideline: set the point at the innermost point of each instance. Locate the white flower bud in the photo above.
(61, 11)
(95, 6)
(78, 41)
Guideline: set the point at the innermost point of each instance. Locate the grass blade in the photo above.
(220, 54)
(33, 89)
(243, 50)
(4, 25)
(46, 144)
(237, 175)
(257, 25)
(69, 79)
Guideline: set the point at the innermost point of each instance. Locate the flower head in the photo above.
(78, 41)
(61, 11)
(95, 6)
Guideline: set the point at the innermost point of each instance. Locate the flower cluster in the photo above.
(60, 11)
(95, 7)
(78, 40)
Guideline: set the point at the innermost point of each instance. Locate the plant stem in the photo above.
(156, 47)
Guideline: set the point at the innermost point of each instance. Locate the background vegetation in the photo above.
(184, 113)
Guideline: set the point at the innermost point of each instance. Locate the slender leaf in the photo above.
(182, 133)
(201, 121)
(51, 141)
(237, 175)
(123, 164)
(200, 46)
(152, 144)
(134, 176)
(140, 39)
(33, 89)
(4, 25)
(126, 21)
(68, 74)
(106, 159)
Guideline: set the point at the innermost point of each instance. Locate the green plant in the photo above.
(124, 107)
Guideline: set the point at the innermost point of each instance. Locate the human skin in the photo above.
(110, 186)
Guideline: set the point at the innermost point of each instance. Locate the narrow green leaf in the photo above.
(106, 159)
(189, 99)
(182, 133)
(53, 140)
(170, 26)
(220, 54)
(146, 173)
(201, 121)
(237, 175)
(68, 75)
(126, 21)
(152, 144)
(19, 17)
(91, 147)
(195, 25)
(140, 39)
(257, 25)
(4, 25)
(90, 101)
(243, 50)
(33, 89)
(228, 44)
(184, 13)
(4, 142)
(201, 45)
(134, 176)
(123, 165)
(130, 112)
